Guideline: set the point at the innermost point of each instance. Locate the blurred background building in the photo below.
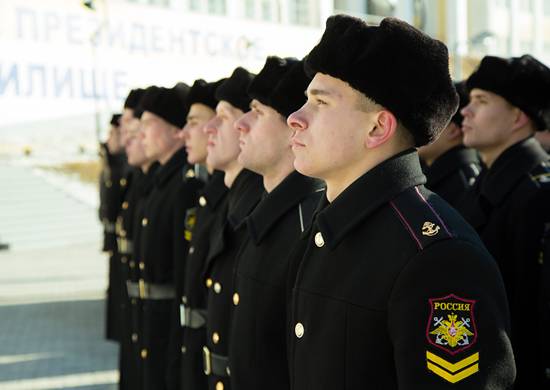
(65, 65)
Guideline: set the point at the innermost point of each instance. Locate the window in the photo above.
(267, 10)
(249, 9)
(158, 3)
(215, 7)
(300, 12)
(526, 5)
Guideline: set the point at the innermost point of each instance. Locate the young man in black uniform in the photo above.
(392, 288)
(192, 302)
(113, 170)
(138, 179)
(451, 168)
(228, 230)
(161, 247)
(509, 204)
(257, 352)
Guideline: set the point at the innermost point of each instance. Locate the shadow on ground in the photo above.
(55, 339)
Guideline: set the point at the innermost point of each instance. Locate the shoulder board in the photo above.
(419, 218)
(541, 173)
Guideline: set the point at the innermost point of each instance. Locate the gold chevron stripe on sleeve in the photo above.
(456, 377)
(450, 366)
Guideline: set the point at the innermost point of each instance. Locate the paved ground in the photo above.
(52, 284)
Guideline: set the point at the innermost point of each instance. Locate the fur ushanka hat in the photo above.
(393, 64)
(522, 81)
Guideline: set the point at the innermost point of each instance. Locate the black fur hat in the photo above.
(167, 103)
(204, 93)
(522, 81)
(115, 120)
(233, 89)
(183, 89)
(463, 101)
(146, 96)
(281, 85)
(394, 64)
(132, 101)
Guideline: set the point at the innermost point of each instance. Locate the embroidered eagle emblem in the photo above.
(452, 332)
(451, 325)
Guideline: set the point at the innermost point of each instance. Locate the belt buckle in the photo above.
(121, 247)
(142, 289)
(207, 360)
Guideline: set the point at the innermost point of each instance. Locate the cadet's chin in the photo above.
(301, 166)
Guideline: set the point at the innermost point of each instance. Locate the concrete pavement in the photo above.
(52, 284)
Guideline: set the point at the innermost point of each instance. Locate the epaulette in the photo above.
(419, 218)
(541, 174)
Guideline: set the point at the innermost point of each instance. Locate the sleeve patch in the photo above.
(451, 326)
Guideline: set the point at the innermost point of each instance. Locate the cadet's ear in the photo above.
(520, 119)
(453, 131)
(385, 125)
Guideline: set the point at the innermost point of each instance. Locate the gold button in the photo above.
(124, 205)
(144, 222)
(191, 250)
(202, 201)
(123, 182)
(190, 173)
(141, 265)
(123, 259)
(143, 353)
(183, 349)
(219, 385)
(236, 299)
(184, 299)
(132, 264)
(208, 282)
(217, 288)
(299, 330)
(134, 337)
(319, 240)
(215, 337)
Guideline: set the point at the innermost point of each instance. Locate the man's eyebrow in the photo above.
(318, 92)
(477, 95)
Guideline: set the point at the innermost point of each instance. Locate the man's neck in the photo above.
(342, 179)
(169, 153)
(490, 155)
(431, 158)
(231, 173)
(145, 167)
(275, 176)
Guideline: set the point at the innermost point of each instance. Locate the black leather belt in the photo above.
(145, 290)
(192, 318)
(215, 364)
(124, 246)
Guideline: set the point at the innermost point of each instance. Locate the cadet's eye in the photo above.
(320, 102)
